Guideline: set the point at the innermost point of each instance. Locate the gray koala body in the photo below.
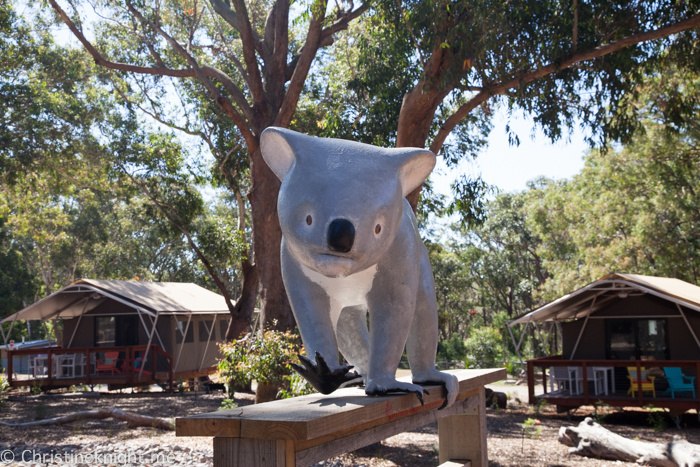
(351, 244)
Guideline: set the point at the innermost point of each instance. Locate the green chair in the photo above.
(677, 382)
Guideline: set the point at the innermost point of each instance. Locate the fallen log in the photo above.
(134, 420)
(589, 439)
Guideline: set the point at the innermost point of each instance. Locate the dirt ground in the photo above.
(507, 446)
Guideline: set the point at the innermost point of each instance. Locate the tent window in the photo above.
(105, 331)
(223, 327)
(204, 328)
(637, 339)
(181, 325)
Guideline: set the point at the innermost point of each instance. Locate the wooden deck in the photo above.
(617, 384)
(56, 367)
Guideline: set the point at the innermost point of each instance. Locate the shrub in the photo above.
(263, 357)
(484, 348)
(452, 349)
(4, 388)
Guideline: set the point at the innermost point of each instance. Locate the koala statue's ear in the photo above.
(277, 151)
(416, 165)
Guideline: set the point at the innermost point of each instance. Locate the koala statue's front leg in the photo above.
(311, 308)
(391, 304)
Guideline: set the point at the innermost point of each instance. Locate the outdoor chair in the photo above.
(137, 367)
(560, 376)
(678, 382)
(576, 379)
(64, 366)
(647, 382)
(108, 364)
(39, 365)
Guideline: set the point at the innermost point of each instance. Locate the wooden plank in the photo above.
(326, 450)
(456, 463)
(463, 436)
(317, 415)
(239, 452)
(209, 427)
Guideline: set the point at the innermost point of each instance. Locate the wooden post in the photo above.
(531, 383)
(697, 381)
(9, 368)
(464, 436)
(170, 373)
(236, 452)
(87, 371)
(584, 368)
(639, 382)
(49, 365)
(153, 361)
(544, 379)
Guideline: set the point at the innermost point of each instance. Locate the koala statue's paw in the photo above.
(321, 377)
(383, 386)
(446, 380)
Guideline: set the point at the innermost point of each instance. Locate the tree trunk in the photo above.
(100, 414)
(267, 239)
(415, 118)
(243, 311)
(592, 440)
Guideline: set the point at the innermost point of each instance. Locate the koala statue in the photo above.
(350, 244)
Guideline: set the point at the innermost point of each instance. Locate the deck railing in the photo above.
(636, 396)
(61, 367)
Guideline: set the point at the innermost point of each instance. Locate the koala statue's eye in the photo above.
(377, 229)
(309, 220)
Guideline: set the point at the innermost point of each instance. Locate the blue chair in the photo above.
(677, 382)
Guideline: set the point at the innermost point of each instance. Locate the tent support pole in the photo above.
(143, 323)
(688, 324)
(512, 337)
(206, 347)
(12, 326)
(522, 336)
(583, 328)
(2, 331)
(148, 347)
(580, 334)
(154, 330)
(182, 344)
(80, 318)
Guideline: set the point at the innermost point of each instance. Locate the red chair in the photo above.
(108, 364)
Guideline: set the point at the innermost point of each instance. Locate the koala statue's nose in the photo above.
(341, 235)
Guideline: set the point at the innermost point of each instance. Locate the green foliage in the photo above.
(295, 386)
(602, 410)
(452, 349)
(531, 428)
(4, 388)
(263, 357)
(227, 404)
(484, 348)
(656, 418)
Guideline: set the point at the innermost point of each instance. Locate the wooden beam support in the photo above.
(464, 436)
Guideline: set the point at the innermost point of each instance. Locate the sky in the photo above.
(510, 167)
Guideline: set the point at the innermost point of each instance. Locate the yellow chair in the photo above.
(647, 382)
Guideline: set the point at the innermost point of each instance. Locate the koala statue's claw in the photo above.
(320, 376)
(374, 389)
(447, 381)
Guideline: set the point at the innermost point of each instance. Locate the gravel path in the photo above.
(112, 443)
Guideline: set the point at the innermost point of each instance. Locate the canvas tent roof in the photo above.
(593, 297)
(153, 298)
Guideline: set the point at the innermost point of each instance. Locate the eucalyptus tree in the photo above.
(559, 61)
(251, 61)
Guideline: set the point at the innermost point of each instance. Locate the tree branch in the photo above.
(306, 57)
(251, 44)
(206, 71)
(224, 103)
(531, 75)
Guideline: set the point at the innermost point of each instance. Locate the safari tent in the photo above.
(614, 330)
(123, 333)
